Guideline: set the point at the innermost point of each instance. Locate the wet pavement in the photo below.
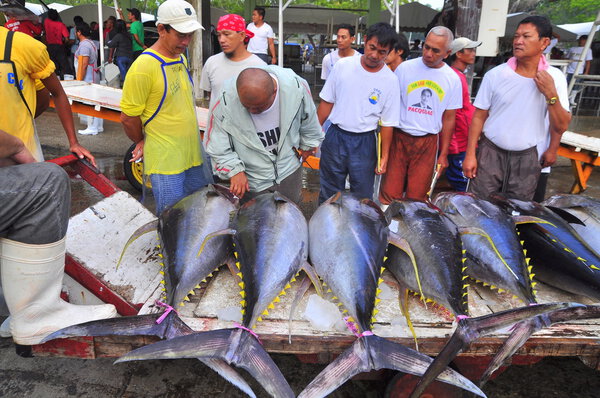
(59, 377)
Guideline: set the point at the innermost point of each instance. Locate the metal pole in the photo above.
(397, 16)
(282, 7)
(101, 40)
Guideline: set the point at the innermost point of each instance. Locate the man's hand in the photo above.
(548, 158)
(81, 152)
(239, 184)
(274, 60)
(138, 152)
(470, 166)
(442, 163)
(309, 152)
(545, 84)
(382, 165)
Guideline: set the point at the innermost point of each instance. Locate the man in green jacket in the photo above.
(263, 125)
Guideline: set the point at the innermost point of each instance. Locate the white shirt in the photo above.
(361, 98)
(267, 124)
(219, 68)
(425, 93)
(259, 44)
(574, 54)
(330, 59)
(518, 113)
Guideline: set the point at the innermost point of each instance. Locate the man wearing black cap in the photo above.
(137, 31)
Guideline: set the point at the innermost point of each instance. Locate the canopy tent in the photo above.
(89, 12)
(512, 21)
(414, 17)
(583, 28)
(309, 18)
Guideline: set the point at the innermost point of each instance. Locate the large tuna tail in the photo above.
(373, 353)
(524, 329)
(233, 346)
(470, 329)
(138, 325)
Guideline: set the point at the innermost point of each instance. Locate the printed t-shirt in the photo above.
(361, 98)
(55, 31)
(330, 60)
(219, 68)
(425, 93)
(518, 111)
(574, 54)
(27, 27)
(136, 28)
(267, 125)
(259, 44)
(172, 141)
(32, 62)
(464, 115)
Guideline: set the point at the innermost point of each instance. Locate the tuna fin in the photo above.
(279, 197)
(226, 231)
(520, 219)
(234, 346)
(145, 325)
(403, 298)
(565, 215)
(232, 266)
(228, 373)
(144, 229)
(314, 278)
(470, 329)
(403, 245)
(335, 199)
(373, 353)
(299, 294)
(524, 329)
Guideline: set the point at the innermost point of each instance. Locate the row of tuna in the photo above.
(432, 249)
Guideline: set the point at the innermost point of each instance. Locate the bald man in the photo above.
(261, 129)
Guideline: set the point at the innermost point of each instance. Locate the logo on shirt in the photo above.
(270, 139)
(422, 84)
(374, 96)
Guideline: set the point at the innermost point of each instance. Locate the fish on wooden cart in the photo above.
(585, 209)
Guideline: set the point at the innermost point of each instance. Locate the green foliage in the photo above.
(569, 11)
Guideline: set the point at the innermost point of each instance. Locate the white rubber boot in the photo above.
(32, 280)
(5, 328)
(91, 129)
(99, 124)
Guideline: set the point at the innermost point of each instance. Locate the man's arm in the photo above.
(133, 129)
(324, 111)
(311, 133)
(385, 135)
(559, 116)
(470, 162)
(63, 108)
(272, 50)
(448, 124)
(588, 64)
(138, 41)
(13, 149)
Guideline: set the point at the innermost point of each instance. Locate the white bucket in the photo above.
(69, 77)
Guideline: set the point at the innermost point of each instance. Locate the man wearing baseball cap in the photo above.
(158, 110)
(232, 34)
(462, 54)
(136, 29)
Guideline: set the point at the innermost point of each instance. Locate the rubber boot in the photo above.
(99, 124)
(32, 280)
(92, 126)
(5, 328)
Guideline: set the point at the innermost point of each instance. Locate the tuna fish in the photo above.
(560, 256)
(586, 212)
(348, 240)
(432, 265)
(271, 246)
(494, 254)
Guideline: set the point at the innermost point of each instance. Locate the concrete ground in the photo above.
(59, 377)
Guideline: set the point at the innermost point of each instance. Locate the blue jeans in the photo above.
(169, 189)
(345, 153)
(454, 173)
(123, 63)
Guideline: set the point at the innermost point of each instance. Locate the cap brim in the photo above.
(187, 26)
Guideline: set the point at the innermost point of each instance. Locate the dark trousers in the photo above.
(58, 55)
(290, 187)
(345, 153)
(35, 200)
(515, 174)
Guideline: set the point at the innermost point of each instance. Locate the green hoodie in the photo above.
(234, 146)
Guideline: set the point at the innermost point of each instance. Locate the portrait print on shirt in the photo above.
(422, 94)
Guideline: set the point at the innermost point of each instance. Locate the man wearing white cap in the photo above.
(462, 54)
(158, 110)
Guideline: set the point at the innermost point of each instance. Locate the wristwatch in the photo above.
(552, 100)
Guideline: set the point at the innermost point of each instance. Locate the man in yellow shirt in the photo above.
(26, 61)
(158, 110)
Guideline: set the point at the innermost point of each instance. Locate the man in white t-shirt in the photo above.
(344, 40)
(359, 93)
(261, 131)
(232, 35)
(519, 105)
(263, 39)
(430, 94)
(574, 54)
